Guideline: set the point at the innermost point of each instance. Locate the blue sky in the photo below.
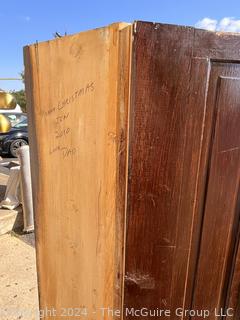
(25, 21)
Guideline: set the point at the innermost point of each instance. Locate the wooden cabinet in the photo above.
(135, 150)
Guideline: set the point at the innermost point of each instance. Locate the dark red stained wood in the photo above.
(217, 70)
(163, 156)
(218, 46)
(172, 114)
(222, 192)
(233, 300)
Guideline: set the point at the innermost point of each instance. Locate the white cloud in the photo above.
(229, 24)
(207, 23)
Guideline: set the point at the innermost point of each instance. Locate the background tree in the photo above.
(20, 97)
(22, 75)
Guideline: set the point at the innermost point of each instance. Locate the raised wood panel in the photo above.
(233, 301)
(77, 90)
(216, 252)
(172, 120)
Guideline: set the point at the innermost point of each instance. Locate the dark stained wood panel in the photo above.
(233, 301)
(163, 164)
(216, 45)
(222, 192)
(216, 71)
(175, 82)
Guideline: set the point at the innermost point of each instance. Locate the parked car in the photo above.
(15, 138)
(14, 117)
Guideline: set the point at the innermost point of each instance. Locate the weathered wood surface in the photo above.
(77, 90)
(216, 251)
(136, 208)
(175, 77)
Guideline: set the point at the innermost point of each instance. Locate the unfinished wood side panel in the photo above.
(124, 70)
(77, 107)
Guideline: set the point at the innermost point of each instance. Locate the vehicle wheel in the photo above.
(15, 145)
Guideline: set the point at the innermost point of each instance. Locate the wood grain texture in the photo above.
(233, 300)
(216, 45)
(175, 73)
(77, 90)
(216, 252)
(163, 165)
(135, 163)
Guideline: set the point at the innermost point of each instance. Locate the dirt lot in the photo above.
(18, 281)
(18, 278)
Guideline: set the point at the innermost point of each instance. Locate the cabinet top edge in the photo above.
(118, 26)
(139, 25)
(160, 25)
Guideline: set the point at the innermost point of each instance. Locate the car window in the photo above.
(21, 124)
(15, 118)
